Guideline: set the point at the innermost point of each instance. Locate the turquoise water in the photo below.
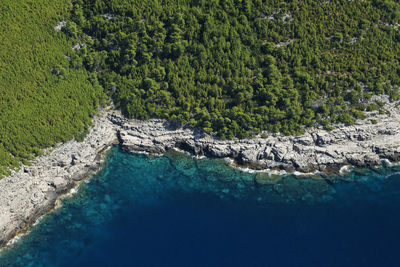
(175, 210)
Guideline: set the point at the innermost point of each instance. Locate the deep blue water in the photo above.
(175, 210)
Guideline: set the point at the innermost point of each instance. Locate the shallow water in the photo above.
(175, 210)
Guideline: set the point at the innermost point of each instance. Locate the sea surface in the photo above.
(176, 210)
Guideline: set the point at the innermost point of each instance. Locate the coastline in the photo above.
(364, 144)
(33, 191)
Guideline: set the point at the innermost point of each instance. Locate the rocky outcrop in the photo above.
(363, 144)
(32, 191)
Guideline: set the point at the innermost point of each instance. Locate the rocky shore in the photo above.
(32, 191)
(366, 143)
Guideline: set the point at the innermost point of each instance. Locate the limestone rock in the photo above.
(32, 191)
(363, 144)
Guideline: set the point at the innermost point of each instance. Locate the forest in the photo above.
(42, 100)
(238, 67)
(232, 67)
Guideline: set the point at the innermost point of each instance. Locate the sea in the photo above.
(178, 210)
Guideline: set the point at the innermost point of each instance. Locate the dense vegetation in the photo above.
(236, 67)
(233, 67)
(42, 100)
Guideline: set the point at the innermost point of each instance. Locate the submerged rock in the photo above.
(264, 178)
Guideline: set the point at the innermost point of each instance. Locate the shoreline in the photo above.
(364, 144)
(58, 202)
(33, 191)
